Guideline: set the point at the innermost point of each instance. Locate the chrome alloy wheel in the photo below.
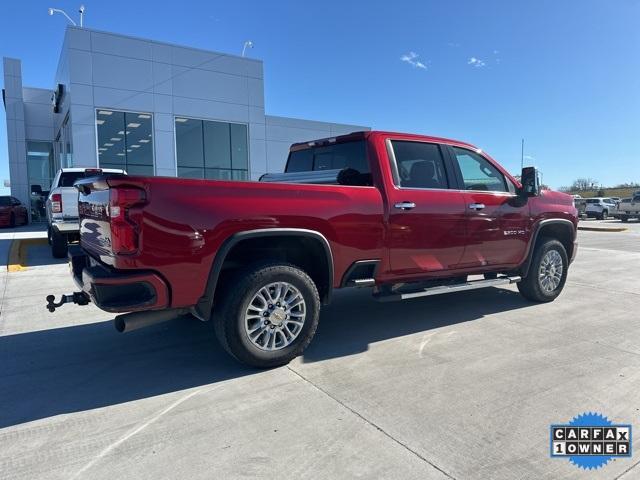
(275, 316)
(550, 273)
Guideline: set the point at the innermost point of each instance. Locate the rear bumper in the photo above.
(66, 226)
(114, 291)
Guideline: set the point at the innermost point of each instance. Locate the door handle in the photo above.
(405, 205)
(476, 206)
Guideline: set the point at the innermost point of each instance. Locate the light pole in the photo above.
(247, 44)
(59, 10)
(522, 155)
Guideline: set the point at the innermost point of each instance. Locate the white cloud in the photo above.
(412, 59)
(476, 62)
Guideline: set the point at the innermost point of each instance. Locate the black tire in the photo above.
(490, 276)
(58, 244)
(228, 315)
(624, 219)
(12, 221)
(604, 215)
(530, 286)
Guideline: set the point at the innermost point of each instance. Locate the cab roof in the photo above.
(361, 135)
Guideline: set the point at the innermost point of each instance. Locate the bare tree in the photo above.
(582, 184)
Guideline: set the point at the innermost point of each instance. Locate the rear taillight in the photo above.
(56, 203)
(125, 223)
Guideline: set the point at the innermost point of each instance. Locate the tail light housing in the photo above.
(125, 220)
(56, 203)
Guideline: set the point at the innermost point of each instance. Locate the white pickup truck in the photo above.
(628, 208)
(62, 207)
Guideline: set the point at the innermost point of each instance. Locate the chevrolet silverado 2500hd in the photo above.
(407, 215)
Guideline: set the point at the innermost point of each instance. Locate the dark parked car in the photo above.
(12, 212)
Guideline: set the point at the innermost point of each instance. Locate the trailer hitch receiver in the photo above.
(79, 298)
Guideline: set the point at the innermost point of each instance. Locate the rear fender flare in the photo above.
(203, 308)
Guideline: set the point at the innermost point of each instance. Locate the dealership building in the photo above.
(149, 107)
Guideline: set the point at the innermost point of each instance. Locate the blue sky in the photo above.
(565, 75)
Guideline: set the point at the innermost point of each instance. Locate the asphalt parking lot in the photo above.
(461, 386)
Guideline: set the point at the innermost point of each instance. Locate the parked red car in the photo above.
(407, 215)
(12, 212)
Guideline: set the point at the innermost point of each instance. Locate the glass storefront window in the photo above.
(211, 150)
(125, 140)
(41, 168)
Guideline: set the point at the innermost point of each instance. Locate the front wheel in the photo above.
(269, 315)
(604, 215)
(547, 272)
(624, 219)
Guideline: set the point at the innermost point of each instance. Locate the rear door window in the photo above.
(419, 165)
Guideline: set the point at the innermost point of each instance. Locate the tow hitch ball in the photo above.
(80, 298)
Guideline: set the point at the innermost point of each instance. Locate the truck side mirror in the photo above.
(530, 180)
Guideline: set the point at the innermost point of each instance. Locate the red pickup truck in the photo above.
(407, 215)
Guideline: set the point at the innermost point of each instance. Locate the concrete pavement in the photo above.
(460, 386)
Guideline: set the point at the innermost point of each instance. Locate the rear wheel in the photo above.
(268, 314)
(624, 219)
(604, 215)
(58, 244)
(547, 272)
(12, 220)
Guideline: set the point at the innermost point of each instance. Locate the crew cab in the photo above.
(406, 215)
(62, 207)
(628, 208)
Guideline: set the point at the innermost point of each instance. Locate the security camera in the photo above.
(81, 9)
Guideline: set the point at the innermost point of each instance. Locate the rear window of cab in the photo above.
(330, 157)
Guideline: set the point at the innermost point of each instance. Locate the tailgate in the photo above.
(93, 210)
(69, 202)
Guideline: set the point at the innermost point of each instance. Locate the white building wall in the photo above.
(16, 140)
(125, 73)
(29, 117)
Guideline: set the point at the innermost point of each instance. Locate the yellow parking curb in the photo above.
(603, 229)
(18, 252)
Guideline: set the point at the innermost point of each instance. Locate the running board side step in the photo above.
(361, 282)
(473, 285)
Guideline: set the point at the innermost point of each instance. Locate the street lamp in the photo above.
(247, 44)
(58, 10)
